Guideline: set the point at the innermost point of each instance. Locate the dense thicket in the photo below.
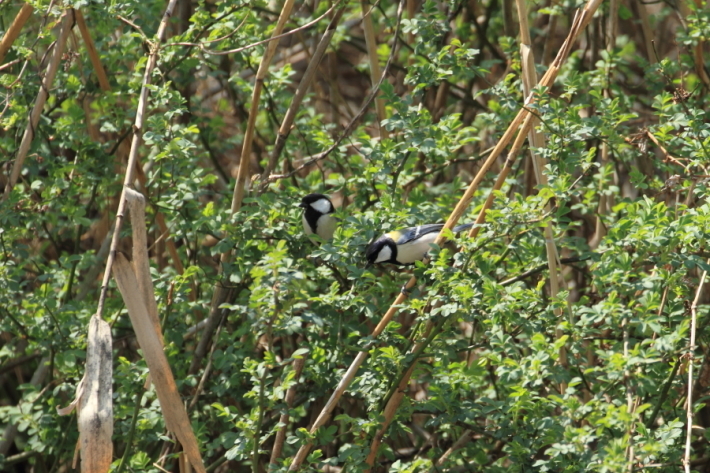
(505, 365)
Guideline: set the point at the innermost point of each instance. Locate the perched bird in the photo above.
(317, 218)
(407, 245)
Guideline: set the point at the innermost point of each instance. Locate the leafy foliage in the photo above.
(591, 379)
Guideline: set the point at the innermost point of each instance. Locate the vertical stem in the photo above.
(133, 154)
(14, 30)
(604, 200)
(283, 420)
(537, 140)
(46, 85)
(371, 44)
(220, 292)
(691, 350)
(243, 173)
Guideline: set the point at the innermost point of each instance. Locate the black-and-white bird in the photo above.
(317, 218)
(407, 245)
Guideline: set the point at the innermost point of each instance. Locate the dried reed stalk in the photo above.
(371, 45)
(174, 413)
(141, 260)
(605, 202)
(95, 418)
(537, 139)
(133, 154)
(176, 419)
(298, 97)
(42, 96)
(219, 295)
(580, 22)
(691, 357)
(243, 173)
(14, 30)
(298, 365)
(91, 50)
(123, 147)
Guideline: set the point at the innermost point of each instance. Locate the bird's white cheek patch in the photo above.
(385, 254)
(321, 205)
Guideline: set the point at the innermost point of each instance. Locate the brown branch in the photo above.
(253, 45)
(298, 97)
(91, 49)
(133, 154)
(42, 96)
(691, 357)
(220, 293)
(580, 22)
(14, 30)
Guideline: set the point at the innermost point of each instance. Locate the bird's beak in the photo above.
(302, 205)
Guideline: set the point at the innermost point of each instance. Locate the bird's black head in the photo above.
(382, 250)
(319, 202)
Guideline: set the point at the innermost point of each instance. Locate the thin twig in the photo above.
(253, 45)
(133, 154)
(15, 29)
(219, 295)
(691, 357)
(353, 123)
(42, 96)
(580, 22)
(360, 358)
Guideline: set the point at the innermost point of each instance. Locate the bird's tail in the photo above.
(462, 227)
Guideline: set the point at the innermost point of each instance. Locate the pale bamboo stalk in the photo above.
(691, 357)
(91, 49)
(371, 46)
(460, 442)
(397, 396)
(174, 413)
(605, 202)
(298, 365)
(42, 96)
(243, 173)
(14, 30)
(133, 154)
(219, 296)
(580, 22)
(538, 142)
(645, 27)
(300, 94)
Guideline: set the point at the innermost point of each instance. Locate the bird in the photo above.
(317, 216)
(407, 245)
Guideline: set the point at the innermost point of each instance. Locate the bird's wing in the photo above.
(408, 234)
